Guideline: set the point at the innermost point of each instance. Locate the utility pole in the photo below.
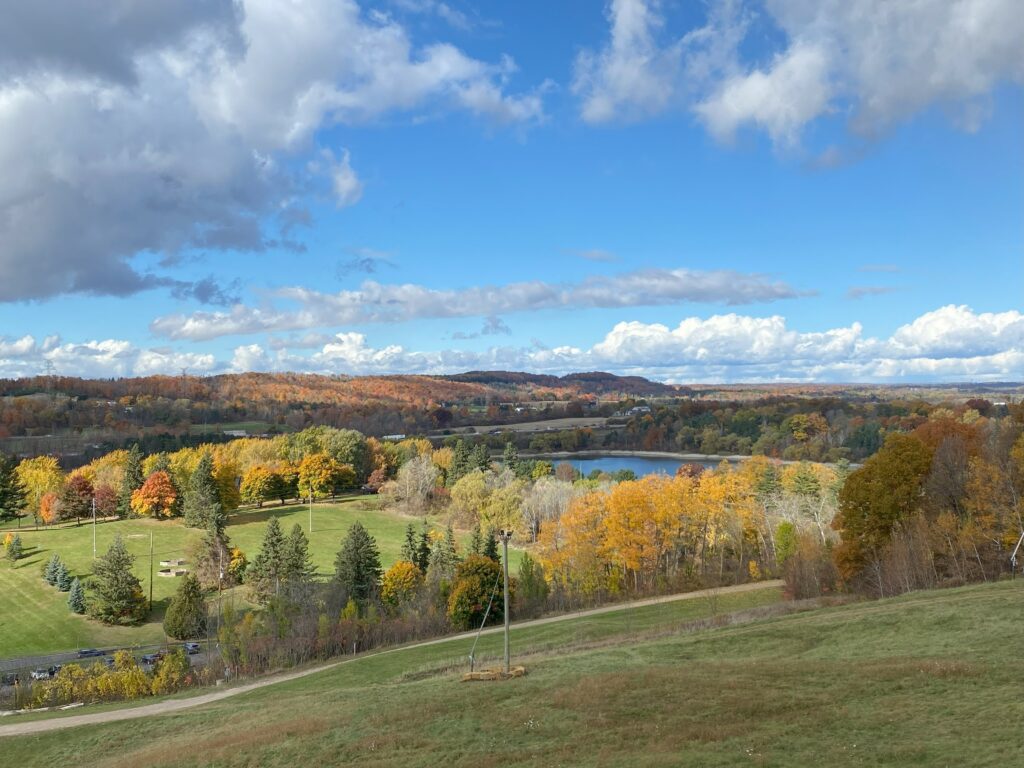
(311, 510)
(505, 536)
(93, 527)
(150, 571)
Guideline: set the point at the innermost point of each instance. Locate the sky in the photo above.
(693, 191)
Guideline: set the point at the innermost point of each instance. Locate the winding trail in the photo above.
(176, 705)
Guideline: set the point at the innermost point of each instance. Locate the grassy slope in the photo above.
(34, 618)
(928, 679)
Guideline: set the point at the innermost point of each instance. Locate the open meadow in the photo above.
(930, 678)
(34, 617)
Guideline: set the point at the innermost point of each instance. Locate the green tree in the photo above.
(357, 566)
(785, 542)
(131, 481)
(491, 546)
(444, 558)
(186, 615)
(76, 597)
(202, 498)
(64, 579)
(423, 549)
(460, 464)
(476, 543)
(212, 558)
(116, 591)
(531, 586)
(50, 572)
(409, 545)
(510, 458)
(15, 549)
(477, 583)
(265, 573)
(296, 560)
(12, 492)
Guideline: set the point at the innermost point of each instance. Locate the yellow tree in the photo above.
(570, 547)
(318, 474)
(399, 583)
(39, 476)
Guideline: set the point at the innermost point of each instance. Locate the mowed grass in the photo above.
(930, 679)
(34, 617)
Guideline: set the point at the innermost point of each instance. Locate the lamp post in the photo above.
(505, 536)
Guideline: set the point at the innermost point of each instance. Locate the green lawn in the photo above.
(930, 679)
(34, 618)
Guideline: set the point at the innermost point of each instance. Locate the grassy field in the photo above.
(34, 617)
(929, 679)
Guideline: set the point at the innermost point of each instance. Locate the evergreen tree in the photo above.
(130, 482)
(460, 463)
(202, 500)
(443, 558)
(510, 458)
(76, 598)
(15, 549)
(423, 550)
(63, 581)
(409, 545)
(12, 492)
(117, 592)
(265, 572)
(186, 615)
(476, 544)
(212, 557)
(491, 546)
(357, 566)
(50, 572)
(480, 458)
(296, 561)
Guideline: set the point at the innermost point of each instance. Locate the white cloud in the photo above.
(949, 343)
(876, 61)
(378, 302)
(168, 127)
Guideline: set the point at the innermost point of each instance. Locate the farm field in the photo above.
(34, 617)
(931, 678)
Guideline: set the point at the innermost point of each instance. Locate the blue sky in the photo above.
(728, 190)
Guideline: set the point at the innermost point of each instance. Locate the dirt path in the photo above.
(175, 705)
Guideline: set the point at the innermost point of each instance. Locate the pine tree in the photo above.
(510, 458)
(117, 592)
(423, 550)
(480, 458)
(186, 615)
(459, 465)
(130, 482)
(15, 549)
(476, 544)
(491, 546)
(296, 561)
(212, 558)
(63, 582)
(357, 566)
(443, 558)
(202, 500)
(265, 572)
(50, 572)
(12, 492)
(76, 598)
(409, 546)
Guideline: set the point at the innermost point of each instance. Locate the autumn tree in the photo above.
(885, 491)
(76, 498)
(49, 508)
(157, 497)
(39, 476)
(116, 592)
(257, 486)
(400, 583)
(318, 473)
(476, 587)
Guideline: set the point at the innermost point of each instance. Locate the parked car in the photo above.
(55, 669)
(192, 648)
(150, 659)
(109, 661)
(9, 678)
(86, 653)
(40, 674)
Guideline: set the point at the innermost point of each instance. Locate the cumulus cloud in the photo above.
(874, 61)
(949, 343)
(378, 302)
(167, 127)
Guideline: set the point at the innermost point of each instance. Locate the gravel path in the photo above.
(175, 705)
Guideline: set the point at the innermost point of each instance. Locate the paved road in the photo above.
(175, 705)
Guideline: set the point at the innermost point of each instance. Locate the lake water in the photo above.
(641, 465)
